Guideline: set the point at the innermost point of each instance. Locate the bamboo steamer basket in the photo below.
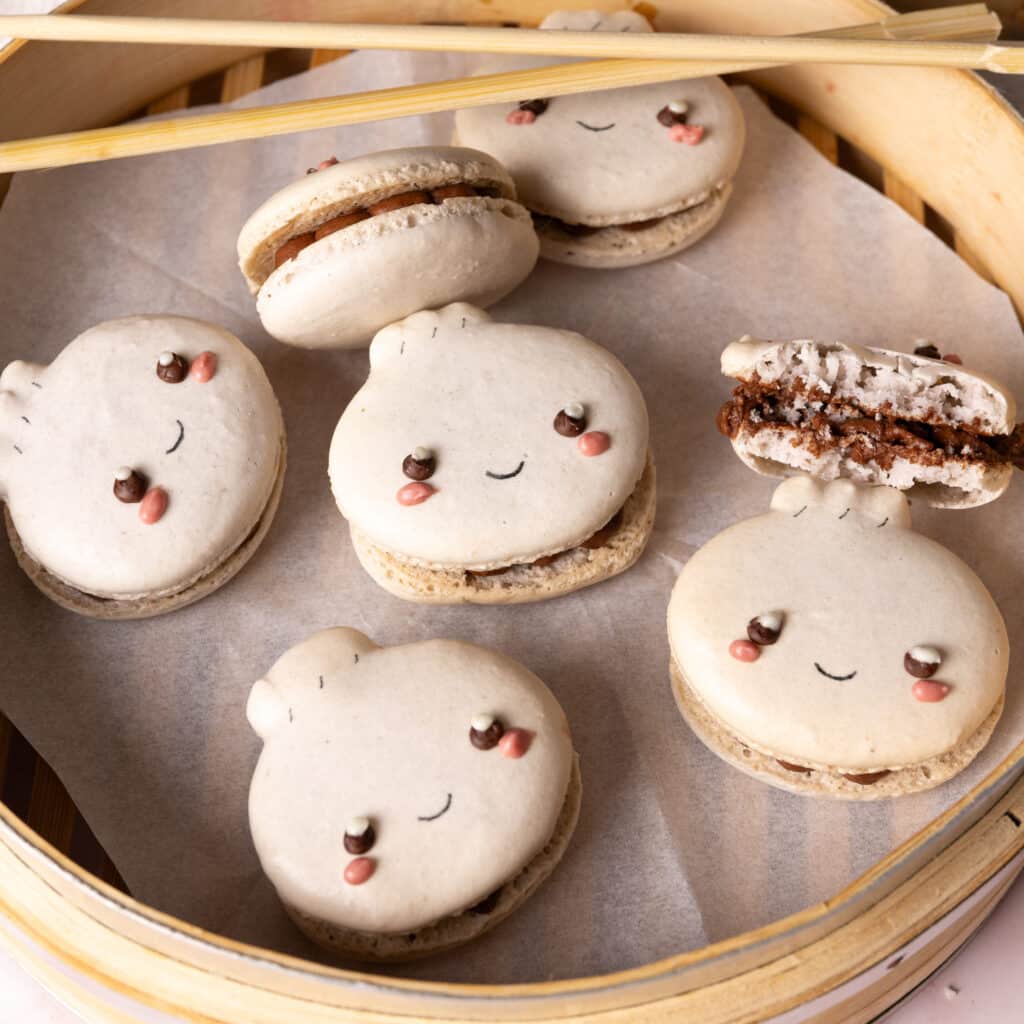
(64, 912)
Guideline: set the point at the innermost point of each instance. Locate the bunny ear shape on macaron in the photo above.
(884, 506)
(403, 339)
(597, 21)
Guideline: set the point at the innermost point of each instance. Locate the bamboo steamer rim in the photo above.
(876, 880)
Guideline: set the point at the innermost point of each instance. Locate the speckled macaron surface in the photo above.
(459, 451)
(615, 156)
(141, 457)
(829, 634)
(401, 785)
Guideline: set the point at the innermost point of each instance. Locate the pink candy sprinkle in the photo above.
(521, 117)
(744, 650)
(204, 366)
(153, 505)
(324, 164)
(952, 357)
(690, 134)
(360, 870)
(515, 742)
(414, 494)
(928, 691)
(593, 442)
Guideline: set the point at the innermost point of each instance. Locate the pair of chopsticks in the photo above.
(920, 38)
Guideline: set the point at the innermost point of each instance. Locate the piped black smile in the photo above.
(595, 127)
(181, 437)
(506, 476)
(444, 810)
(838, 679)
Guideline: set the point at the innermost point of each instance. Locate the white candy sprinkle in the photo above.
(421, 454)
(165, 358)
(771, 620)
(574, 410)
(357, 826)
(481, 723)
(926, 655)
(679, 106)
(123, 473)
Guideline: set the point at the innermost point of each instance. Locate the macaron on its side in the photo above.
(355, 245)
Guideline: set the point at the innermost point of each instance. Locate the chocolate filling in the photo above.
(294, 245)
(861, 778)
(863, 435)
(594, 541)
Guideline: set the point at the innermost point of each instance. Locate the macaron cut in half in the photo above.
(142, 468)
(827, 648)
(618, 177)
(353, 246)
(407, 799)
(920, 423)
(492, 463)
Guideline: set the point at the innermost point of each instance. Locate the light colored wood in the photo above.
(244, 77)
(970, 257)
(823, 139)
(233, 126)
(176, 99)
(320, 57)
(901, 194)
(50, 810)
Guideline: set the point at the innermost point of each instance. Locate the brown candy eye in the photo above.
(571, 420)
(359, 836)
(535, 107)
(171, 367)
(673, 113)
(485, 731)
(922, 661)
(928, 351)
(765, 629)
(419, 464)
(129, 486)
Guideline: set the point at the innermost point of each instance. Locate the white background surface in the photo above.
(980, 986)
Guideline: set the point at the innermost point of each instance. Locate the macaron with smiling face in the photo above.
(618, 177)
(492, 463)
(142, 468)
(407, 798)
(826, 648)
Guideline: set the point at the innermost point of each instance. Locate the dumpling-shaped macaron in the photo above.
(618, 177)
(142, 467)
(407, 798)
(356, 245)
(492, 463)
(827, 648)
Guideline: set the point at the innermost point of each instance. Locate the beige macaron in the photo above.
(356, 245)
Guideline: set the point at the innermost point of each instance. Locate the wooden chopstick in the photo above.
(232, 126)
(819, 49)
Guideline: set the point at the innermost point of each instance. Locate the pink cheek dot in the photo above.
(204, 366)
(153, 505)
(593, 442)
(689, 134)
(744, 650)
(521, 117)
(952, 357)
(515, 742)
(360, 870)
(324, 164)
(928, 691)
(414, 494)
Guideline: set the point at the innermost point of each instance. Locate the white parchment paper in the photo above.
(145, 721)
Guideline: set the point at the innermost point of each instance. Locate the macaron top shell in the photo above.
(483, 397)
(356, 731)
(210, 443)
(605, 158)
(856, 589)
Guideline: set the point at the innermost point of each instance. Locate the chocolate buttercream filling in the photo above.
(821, 423)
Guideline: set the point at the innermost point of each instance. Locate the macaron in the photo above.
(407, 798)
(827, 648)
(142, 468)
(920, 423)
(492, 463)
(355, 245)
(618, 177)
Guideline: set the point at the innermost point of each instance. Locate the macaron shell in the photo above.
(386, 736)
(338, 291)
(856, 595)
(214, 447)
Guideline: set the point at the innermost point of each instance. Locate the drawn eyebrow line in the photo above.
(882, 523)
(321, 682)
(27, 420)
(845, 514)
(36, 384)
(18, 450)
(804, 509)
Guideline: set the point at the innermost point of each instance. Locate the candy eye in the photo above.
(527, 112)
(673, 112)
(922, 661)
(359, 835)
(129, 486)
(171, 368)
(535, 107)
(571, 420)
(419, 464)
(765, 629)
(485, 731)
